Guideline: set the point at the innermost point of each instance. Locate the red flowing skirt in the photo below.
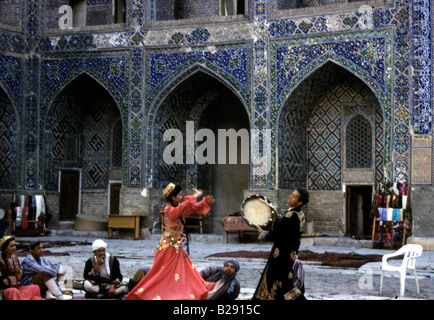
(172, 277)
(31, 292)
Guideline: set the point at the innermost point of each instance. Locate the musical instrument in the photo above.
(257, 210)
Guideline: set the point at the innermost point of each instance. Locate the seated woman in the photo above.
(11, 274)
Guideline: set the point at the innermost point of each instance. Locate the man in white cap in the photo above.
(102, 274)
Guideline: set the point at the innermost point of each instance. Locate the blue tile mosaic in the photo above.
(393, 57)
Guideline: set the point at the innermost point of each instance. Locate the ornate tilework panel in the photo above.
(117, 145)
(421, 30)
(62, 124)
(231, 63)
(324, 156)
(8, 143)
(11, 77)
(379, 145)
(96, 147)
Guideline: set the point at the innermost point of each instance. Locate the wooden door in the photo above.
(115, 189)
(69, 194)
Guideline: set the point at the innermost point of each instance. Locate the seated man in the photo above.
(227, 286)
(102, 274)
(140, 274)
(38, 270)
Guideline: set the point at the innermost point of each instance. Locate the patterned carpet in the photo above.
(332, 259)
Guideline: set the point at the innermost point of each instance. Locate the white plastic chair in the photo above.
(410, 252)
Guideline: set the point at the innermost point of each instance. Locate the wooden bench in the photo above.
(236, 224)
(125, 222)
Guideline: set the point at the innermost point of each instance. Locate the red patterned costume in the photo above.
(173, 275)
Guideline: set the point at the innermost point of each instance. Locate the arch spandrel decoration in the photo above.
(165, 68)
(312, 56)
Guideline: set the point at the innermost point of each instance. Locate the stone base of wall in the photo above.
(422, 206)
(426, 242)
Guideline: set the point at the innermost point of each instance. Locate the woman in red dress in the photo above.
(173, 276)
(11, 273)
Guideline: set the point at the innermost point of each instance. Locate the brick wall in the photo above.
(325, 212)
(94, 202)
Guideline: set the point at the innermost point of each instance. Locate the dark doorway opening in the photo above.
(115, 190)
(358, 208)
(69, 194)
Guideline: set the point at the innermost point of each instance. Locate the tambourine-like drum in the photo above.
(257, 210)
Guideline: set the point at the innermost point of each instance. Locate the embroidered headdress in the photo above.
(171, 190)
(4, 240)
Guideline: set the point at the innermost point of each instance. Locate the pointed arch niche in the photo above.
(210, 104)
(315, 131)
(80, 142)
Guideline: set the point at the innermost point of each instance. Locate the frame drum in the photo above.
(257, 210)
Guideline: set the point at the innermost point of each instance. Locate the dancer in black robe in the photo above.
(276, 282)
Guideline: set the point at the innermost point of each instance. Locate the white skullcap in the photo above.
(98, 244)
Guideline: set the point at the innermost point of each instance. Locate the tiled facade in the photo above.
(302, 71)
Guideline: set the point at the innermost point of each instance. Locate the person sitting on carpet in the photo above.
(45, 274)
(102, 274)
(140, 274)
(11, 273)
(227, 287)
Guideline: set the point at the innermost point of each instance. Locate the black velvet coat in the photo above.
(276, 282)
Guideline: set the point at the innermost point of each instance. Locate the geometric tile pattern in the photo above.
(8, 143)
(324, 156)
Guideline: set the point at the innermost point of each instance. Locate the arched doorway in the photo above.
(331, 140)
(206, 103)
(82, 148)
